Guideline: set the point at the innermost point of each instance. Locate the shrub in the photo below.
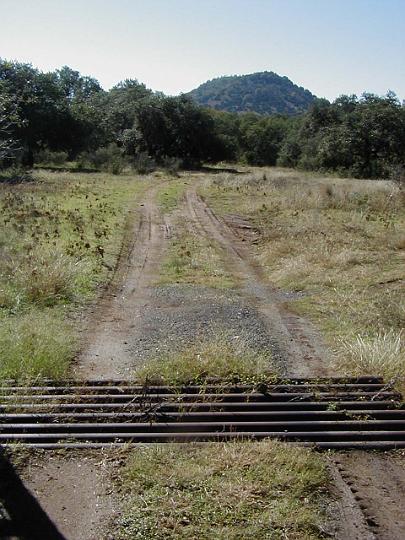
(143, 163)
(47, 157)
(172, 165)
(108, 158)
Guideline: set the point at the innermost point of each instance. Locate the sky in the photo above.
(331, 47)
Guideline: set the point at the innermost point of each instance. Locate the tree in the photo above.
(9, 146)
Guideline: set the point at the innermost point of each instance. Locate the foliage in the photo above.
(363, 137)
(62, 115)
(263, 93)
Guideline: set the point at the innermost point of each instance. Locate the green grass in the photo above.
(35, 345)
(224, 357)
(340, 241)
(60, 239)
(261, 490)
(171, 194)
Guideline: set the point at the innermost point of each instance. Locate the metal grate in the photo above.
(328, 413)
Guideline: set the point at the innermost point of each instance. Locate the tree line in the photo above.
(65, 116)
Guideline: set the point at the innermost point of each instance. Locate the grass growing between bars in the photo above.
(341, 243)
(222, 357)
(59, 241)
(260, 490)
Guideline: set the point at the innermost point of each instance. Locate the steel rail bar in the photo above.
(265, 388)
(175, 427)
(282, 396)
(230, 405)
(322, 445)
(208, 415)
(315, 436)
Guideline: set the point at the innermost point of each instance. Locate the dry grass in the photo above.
(60, 237)
(194, 259)
(261, 490)
(340, 241)
(225, 357)
(382, 353)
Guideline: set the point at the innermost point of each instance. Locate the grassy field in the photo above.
(341, 242)
(265, 490)
(59, 241)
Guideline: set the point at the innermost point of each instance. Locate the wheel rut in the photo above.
(299, 349)
(106, 353)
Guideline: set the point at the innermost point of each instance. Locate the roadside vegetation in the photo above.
(60, 239)
(339, 242)
(261, 490)
(64, 119)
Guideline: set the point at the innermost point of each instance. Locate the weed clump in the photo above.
(231, 490)
(382, 354)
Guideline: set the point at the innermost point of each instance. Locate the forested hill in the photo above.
(263, 93)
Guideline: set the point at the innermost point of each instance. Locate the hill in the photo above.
(263, 93)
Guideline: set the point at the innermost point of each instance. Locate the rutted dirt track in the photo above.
(106, 353)
(300, 351)
(136, 318)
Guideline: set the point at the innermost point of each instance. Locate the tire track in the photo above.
(107, 353)
(298, 349)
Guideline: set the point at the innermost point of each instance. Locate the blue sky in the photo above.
(329, 46)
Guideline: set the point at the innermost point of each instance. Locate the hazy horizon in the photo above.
(330, 48)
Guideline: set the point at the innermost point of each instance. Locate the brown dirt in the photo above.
(74, 489)
(106, 353)
(75, 492)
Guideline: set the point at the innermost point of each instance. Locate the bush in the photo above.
(47, 157)
(108, 158)
(143, 163)
(172, 165)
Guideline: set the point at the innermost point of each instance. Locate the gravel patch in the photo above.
(178, 315)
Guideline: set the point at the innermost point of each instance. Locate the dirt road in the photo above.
(136, 318)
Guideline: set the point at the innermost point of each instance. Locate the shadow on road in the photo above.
(21, 516)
